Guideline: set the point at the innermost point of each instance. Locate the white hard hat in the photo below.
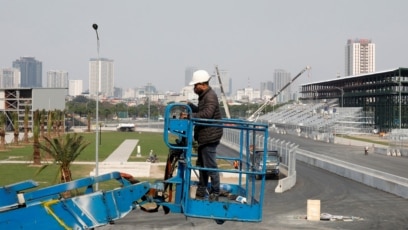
(200, 76)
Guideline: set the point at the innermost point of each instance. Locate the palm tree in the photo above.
(16, 127)
(49, 123)
(55, 123)
(26, 113)
(2, 131)
(36, 134)
(43, 114)
(64, 150)
(89, 122)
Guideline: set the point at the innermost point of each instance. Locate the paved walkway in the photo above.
(118, 161)
(122, 153)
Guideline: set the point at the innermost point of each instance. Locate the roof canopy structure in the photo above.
(384, 94)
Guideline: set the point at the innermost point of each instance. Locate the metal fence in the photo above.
(286, 149)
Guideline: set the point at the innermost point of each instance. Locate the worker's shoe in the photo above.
(201, 193)
(214, 197)
(232, 196)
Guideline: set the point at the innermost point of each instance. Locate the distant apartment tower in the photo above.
(75, 87)
(360, 57)
(281, 78)
(30, 71)
(188, 74)
(117, 92)
(129, 93)
(9, 78)
(266, 88)
(104, 85)
(57, 79)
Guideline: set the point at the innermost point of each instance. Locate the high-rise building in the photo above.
(57, 79)
(117, 92)
(102, 83)
(281, 78)
(30, 71)
(266, 88)
(9, 78)
(360, 57)
(129, 93)
(75, 87)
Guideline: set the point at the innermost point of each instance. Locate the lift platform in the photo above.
(243, 198)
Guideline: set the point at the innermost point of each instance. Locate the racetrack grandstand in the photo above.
(374, 102)
(319, 119)
(382, 95)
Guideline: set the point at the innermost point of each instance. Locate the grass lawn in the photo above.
(12, 173)
(109, 142)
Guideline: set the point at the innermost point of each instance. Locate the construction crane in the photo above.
(224, 98)
(255, 115)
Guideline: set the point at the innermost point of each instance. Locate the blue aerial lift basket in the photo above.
(245, 197)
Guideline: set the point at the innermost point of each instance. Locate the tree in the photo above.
(55, 123)
(36, 134)
(49, 123)
(64, 150)
(16, 127)
(88, 118)
(43, 115)
(80, 99)
(2, 131)
(26, 113)
(59, 122)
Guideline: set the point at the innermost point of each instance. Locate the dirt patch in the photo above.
(157, 171)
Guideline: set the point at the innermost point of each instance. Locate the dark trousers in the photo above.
(207, 159)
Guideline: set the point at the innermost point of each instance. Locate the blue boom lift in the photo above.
(47, 208)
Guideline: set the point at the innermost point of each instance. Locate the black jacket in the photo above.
(208, 108)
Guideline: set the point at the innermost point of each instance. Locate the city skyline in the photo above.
(155, 41)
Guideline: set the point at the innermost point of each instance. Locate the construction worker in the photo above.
(207, 137)
(366, 150)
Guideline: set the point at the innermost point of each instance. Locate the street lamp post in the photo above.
(100, 133)
(148, 107)
(95, 27)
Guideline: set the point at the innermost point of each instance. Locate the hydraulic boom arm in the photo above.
(255, 115)
(224, 99)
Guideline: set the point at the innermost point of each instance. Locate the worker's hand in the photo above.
(183, 115)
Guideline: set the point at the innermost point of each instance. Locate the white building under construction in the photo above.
(17, 99)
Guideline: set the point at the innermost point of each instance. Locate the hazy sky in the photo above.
(153, 41)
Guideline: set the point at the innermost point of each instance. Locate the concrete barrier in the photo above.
(286, 183)
(371, 177)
